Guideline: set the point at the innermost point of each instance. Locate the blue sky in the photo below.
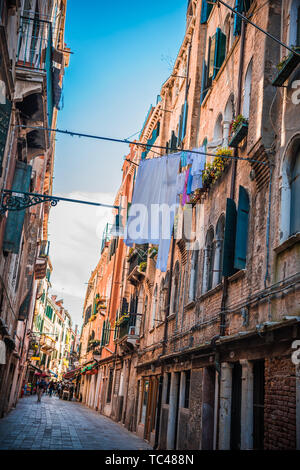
(115, 73)
(120, 61)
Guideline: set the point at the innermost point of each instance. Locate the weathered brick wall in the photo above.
(280, 404)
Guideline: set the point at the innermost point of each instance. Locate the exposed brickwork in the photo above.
(280, 404)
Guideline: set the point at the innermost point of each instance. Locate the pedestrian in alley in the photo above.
(71, 392)
(50, 388)
(41, 387)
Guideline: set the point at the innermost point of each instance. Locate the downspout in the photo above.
(232, 194)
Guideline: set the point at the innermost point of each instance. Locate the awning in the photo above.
(71, 373)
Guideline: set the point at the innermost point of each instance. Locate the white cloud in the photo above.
(75, 233)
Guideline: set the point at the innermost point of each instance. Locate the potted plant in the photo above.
(143, 266)
(152, 251)
(286, 66)
(239, 130)
(214, 170)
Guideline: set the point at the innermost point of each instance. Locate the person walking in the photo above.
(71, 392)
(50, 388)
(41, 387)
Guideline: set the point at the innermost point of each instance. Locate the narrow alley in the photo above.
(56, 424)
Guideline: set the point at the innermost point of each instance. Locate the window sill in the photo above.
(190, 305)
(291, 241)
(170, 317)
(241, 273)
(211, 292)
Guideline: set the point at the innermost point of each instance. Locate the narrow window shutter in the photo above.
(184, 120)
(203, 82)
(211, 58)
(5, 112)
(237, 19)
(15, 219)
(220, 51)
(180, 126)
(229, 238)
(241, 230)
(205, 11)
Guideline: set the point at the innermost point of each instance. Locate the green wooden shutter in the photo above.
(204, 84)
(15, 219)
(237, 19)
(220, 51)
(184, 120)
(241, 238)
(205, 11)
(229, 238)
(5, 112)
(211, 58)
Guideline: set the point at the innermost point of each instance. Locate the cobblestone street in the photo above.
(56, 424)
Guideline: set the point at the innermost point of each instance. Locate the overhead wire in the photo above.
(141, 144)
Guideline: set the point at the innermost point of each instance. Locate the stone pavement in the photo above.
(56, 424)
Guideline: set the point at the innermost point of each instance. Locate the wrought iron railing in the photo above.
(139, 256)
(35, 43)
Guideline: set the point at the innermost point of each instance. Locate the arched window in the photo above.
(208, 261)
(194, 274)
(218, 256)
(290, 191)
(294, 30)
(228, 117)
(154, 307)
(218, 133)
(228, 30)
(247, 91)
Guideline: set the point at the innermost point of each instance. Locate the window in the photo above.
(168, 388)
(187, 389)
(219, 246)
(294, 32)
(228, 30)
(208, 261)
(206, 8)
(144, 401)
(49, 312)
(110, 382)
(194, 274)
(154, 307)
(216, 54)
(295, 194)
(175, 289)
(247, 91)
(236, 234)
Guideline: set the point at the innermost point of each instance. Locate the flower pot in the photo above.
(239, 134)
(287, 68)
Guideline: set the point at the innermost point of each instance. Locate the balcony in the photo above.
(128, 330)
(286, 67)
(238, 134)
(137, 264)
(47, 344)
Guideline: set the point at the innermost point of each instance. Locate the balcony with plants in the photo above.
(137, 259)
(213, 171)
(239, 130)
(286, 66)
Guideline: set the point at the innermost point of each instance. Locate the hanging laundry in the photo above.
(184, 195)
(189, 158)
(189, 183)
(152, 212)
(183, 159)
(197, 182)
(199, 160)
(180, 182)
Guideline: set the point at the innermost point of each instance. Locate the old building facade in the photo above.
(204, 355)
(33, 58)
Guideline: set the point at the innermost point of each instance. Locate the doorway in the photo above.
(236, 402)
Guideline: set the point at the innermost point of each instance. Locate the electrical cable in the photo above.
(257, 27)
(141, 144)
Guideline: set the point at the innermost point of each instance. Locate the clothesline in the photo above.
(141, 144)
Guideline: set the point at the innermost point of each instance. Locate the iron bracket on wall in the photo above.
(19, 200)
